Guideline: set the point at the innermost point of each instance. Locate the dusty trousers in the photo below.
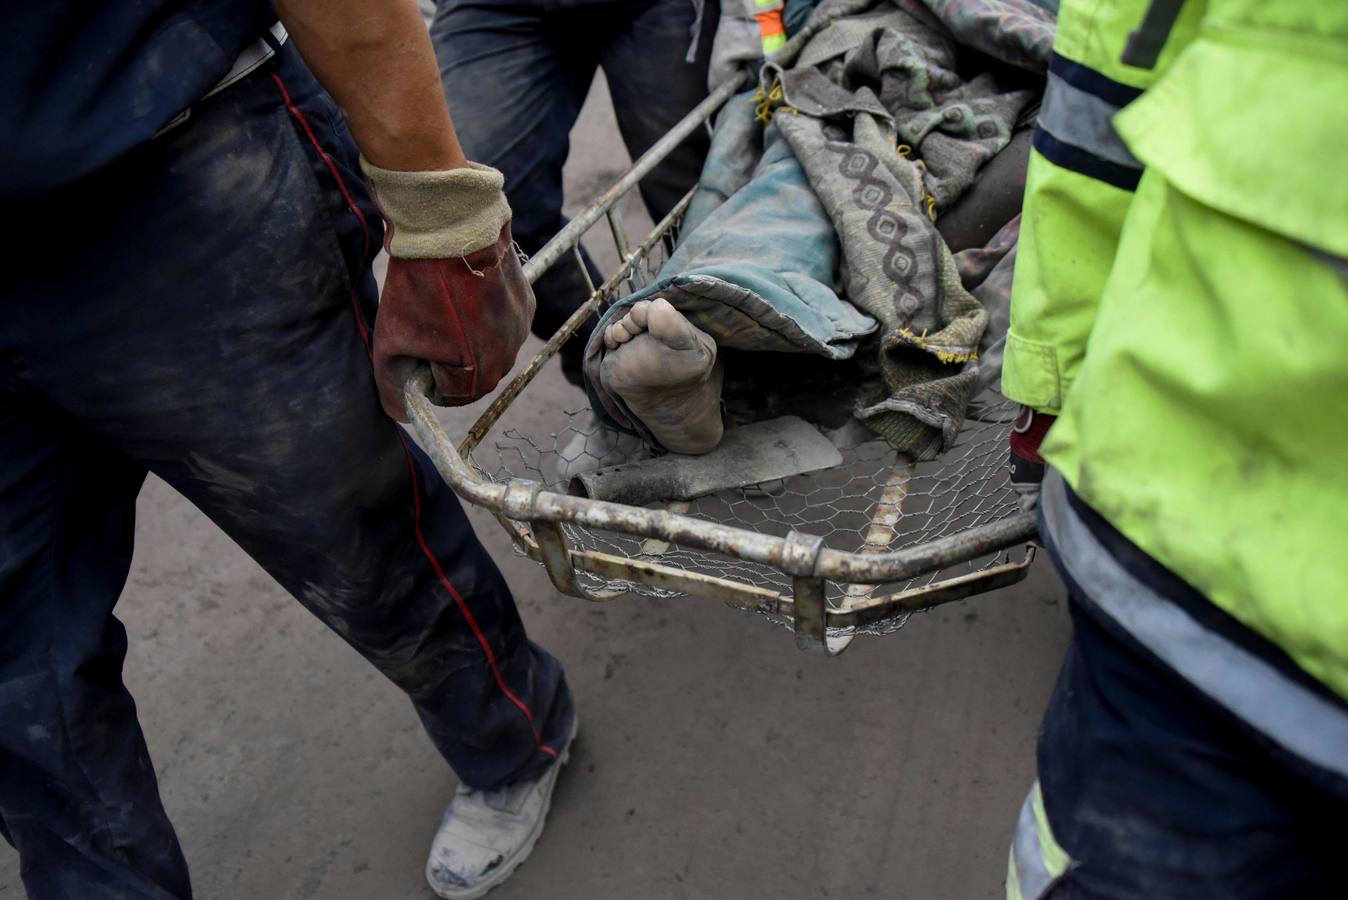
(516, 73)
(1148, 785)
(201, 309)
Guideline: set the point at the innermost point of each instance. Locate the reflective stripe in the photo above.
(1013, 891)
(1286, 712)
(772, 29)
(1115, 93)
(1071, 114)
(1083, 162)
(1076, 129)
(1037, 860)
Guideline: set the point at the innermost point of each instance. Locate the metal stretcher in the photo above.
(854, 549)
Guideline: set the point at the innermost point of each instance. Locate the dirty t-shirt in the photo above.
(83, 81)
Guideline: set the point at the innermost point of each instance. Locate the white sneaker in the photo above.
(485, 835)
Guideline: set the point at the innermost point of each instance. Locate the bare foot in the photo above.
(666, 371)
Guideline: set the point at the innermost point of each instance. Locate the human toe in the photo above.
(668, 325)
(638, 314)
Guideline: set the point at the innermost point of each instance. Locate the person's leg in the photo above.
(654, 85)
(216, 330)
(515, 77)
(1148, 790)
(78, 795)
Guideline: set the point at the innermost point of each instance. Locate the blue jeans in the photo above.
(1155, 791)
(516, 73)
(205, 316)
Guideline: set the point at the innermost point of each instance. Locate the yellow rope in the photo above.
(928, 200)
(767, 105)
(944, 354)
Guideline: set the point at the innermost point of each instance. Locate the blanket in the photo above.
(813, 226)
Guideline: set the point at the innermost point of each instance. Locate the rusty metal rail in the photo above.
(541, 521)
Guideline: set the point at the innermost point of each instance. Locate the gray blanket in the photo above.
(888, 118)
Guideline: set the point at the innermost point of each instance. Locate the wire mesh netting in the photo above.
(874, 501)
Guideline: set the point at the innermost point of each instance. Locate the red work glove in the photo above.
(1027, 466)
(455, 296)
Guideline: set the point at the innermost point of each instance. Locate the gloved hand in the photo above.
(1027, 466)
(455, 295)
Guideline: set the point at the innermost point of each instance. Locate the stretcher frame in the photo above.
(824, 621)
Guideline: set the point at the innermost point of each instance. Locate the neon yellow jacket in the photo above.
(1181, 301)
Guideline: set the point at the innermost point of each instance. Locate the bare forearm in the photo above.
(375, 59)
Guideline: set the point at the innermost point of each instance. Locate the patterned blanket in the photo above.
(813, 226)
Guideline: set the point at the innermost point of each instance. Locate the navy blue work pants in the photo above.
(516, 73)
(1156, 792)
(202, 309)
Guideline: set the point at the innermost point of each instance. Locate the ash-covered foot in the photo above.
(666, 371)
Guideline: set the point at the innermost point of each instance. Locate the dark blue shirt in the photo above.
(83, 82)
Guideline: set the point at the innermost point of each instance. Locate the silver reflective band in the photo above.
(1027, 854)
(1084, 120)
(1297, 719)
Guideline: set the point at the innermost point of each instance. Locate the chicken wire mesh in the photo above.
(874, 501)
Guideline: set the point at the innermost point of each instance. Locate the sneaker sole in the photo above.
(505, 871)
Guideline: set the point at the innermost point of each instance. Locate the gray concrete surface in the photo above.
(716, 760)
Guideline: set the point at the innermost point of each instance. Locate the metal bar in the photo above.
(809, 614)
(518, 532)
(564, 239)
(657, 523)
(560, 562)
(732, 593)
(618, 229)
(521, 537)
(809, 602)
(741, 543)
(584, 269)
(809, 597)
(442, 452)
(751, 598)
(556, 557)
(901, 565)
(506, 395)
(877, 609)
(753, 546)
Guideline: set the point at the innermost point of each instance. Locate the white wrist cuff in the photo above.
(434, 215)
